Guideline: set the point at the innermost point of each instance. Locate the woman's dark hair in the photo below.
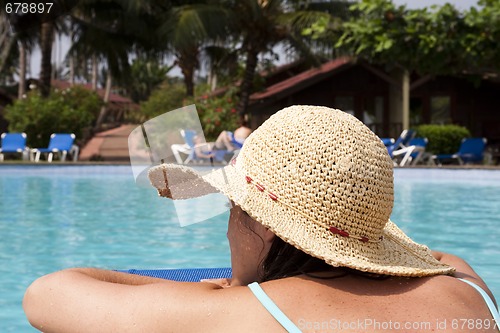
(285, 260)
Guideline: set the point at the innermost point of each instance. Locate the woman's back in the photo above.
(358, 304)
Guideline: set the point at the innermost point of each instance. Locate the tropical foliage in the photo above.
(259, 26)
(111, 32)
(71, 110)
(217, 113)
(137, 42)
(146, 74)
(168, 97)
(435, 40)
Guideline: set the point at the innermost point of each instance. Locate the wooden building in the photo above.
(375, 97)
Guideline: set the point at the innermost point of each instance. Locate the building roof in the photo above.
(304, 79)
(113, 98)
(271, 76)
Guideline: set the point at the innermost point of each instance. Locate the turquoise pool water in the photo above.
(54, 217)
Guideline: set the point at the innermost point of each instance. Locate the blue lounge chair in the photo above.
(387, 141)
(13, 143)
(471, 151)
(60, 144)
(411, 154)
(186, 274)
(189, 149)
(401, 142)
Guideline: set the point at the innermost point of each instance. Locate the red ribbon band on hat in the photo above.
(344, 233)
(274, 197)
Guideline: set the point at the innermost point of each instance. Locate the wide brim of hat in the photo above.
(394, 254)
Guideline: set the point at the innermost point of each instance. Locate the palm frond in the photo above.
(193, 24)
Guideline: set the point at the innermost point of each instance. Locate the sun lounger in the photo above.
(187, 275)
(387, 141)
(401, 141)
(187, 148)
(13, 143)
(60, 144)
(471, 151)
(411, 154)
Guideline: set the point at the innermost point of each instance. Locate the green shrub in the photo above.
(443, 139)
(166, 98)
(72, 110)
(217, 114)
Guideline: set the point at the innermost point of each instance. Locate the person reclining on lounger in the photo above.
(312, 249)
(231, 141)
(202, 150)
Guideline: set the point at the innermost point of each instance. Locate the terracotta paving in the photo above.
(111, 145)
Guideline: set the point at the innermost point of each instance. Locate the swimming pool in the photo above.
(54, 217)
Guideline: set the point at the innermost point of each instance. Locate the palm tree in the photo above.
(7, 39)
(50, 22)
(21, 30)
(46, 41)
(222, 62)
(263, 24)
(22, 70)
(256, 26)
(188, 29)
(148, 73)
(108, 32)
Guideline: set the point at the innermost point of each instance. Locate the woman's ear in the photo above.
(264, 233)
(268, 236)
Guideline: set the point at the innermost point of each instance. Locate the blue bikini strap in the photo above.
(273, 308)
(487, 299)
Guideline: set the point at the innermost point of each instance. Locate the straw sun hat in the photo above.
(320, 180)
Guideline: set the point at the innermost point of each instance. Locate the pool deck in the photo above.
(111, 148)
(111, 145)
(126, 161)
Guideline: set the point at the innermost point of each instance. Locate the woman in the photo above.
(311, 194)
(232, 141)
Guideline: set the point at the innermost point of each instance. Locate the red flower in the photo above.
(219, 109)
(233, 110)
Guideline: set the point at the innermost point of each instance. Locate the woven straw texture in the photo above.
(323, 182)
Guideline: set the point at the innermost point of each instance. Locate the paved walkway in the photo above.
(108, 146)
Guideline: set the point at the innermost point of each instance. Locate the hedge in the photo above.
(71, 110)
(443, 139)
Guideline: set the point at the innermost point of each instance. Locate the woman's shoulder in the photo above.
(359, 300)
